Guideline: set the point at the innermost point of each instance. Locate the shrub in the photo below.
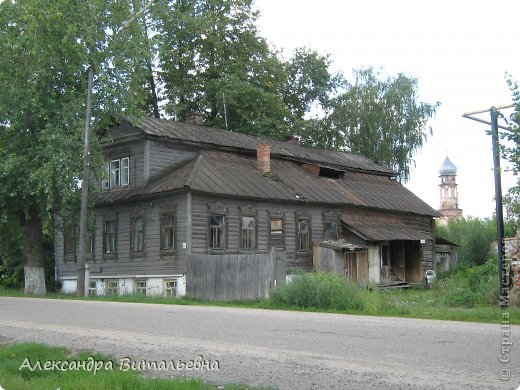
(321, 291)
(470, 286)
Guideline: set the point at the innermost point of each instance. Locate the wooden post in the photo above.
(80, 287)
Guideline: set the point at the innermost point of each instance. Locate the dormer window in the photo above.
(118, 173)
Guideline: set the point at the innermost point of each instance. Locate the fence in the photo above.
(234, 277)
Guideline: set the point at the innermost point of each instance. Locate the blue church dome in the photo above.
(447, 168)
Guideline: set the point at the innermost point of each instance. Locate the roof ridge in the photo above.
(194, 171)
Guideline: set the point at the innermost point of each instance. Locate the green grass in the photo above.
(12, 357)
(466, 294)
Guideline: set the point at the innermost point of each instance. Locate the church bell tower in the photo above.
(449, 195)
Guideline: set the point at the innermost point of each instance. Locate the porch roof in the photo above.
(385, 230)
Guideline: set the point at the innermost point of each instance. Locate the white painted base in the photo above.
(155, 286)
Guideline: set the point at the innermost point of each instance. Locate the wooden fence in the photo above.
(234, 277)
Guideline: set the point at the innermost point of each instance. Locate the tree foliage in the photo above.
(382, 118)
(512, 152)
(47, 48)
(206, 56)
(475, 237)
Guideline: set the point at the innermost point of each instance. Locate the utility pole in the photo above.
(503, 274)
(81, 283)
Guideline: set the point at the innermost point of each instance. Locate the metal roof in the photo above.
(385, 230)
(209, 136)
(232, 174)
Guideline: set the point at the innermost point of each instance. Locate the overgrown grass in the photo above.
(468, 293)
(320, 291)
(12, 357)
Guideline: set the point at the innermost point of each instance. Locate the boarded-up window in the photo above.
(277, 237)
(137, 237)
(217, 231)
(168, 231)
(248, 233)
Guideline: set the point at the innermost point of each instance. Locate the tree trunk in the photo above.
(33, 257)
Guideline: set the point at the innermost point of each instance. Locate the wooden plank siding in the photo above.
(295, 261)
(152, 262)
(230, 277)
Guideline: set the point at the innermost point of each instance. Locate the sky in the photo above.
(458, 50)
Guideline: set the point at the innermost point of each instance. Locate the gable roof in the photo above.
(210, 137)
(232, 174)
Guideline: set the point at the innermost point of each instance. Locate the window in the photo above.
(171, 288)
(140, 287)
(137, 234)
(125, 171)
(118, 174)
(109, 237)
(112, 287)
(331, 230)
(330, 225)
(168, 232)
(248, 233)
(303, 230)
(92, 288)
(277, 240)
(70, 240)
(217, 231)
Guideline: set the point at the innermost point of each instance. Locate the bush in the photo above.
(470, 286)
(321, 291)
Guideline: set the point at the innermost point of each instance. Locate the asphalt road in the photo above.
(286, 350)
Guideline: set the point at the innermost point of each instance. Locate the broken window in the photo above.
(92, 288)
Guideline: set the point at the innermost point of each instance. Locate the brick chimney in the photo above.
(263, 158)
(195, 118)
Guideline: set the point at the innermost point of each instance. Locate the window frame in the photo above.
(218, 210)
(70, 239)
(168, 289)
(303, 216)
(109, 288)
(331, 217)
(137, 236)
(92, 290)
(273, 238)
(118, 170)
(245, 231)
(165, 212)
(141, 289)
(110, 218)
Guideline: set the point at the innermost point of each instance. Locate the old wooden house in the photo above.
(179, 190)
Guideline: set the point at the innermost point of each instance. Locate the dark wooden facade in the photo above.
(190, 171)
